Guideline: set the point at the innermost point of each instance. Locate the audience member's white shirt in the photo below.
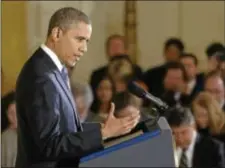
(191, 85)
(189, 152)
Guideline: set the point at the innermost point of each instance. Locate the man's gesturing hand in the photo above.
(118, 126)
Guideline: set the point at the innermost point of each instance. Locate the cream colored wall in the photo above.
(197, 23)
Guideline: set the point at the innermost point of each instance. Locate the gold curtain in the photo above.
(14, 42)
(130, 28)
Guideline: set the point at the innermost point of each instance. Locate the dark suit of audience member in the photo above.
(195, 81)
(193, 149)
(174, 91)
(153, 77)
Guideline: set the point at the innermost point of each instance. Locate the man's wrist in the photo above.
(103, 132)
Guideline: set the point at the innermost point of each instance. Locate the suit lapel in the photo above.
(50, 64)
(196, 152)
(69, 96)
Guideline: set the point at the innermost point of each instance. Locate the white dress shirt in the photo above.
(191, 85)
(54, 58)
(189, 152)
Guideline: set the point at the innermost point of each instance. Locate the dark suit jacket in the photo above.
(49, 131)
(199, 86)
(208, 153)
(153, 78)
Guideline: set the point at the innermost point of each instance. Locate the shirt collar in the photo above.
(53, 56)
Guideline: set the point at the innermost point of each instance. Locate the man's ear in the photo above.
(56, 33)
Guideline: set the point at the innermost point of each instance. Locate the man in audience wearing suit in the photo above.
(153, 77)
(115, 46)
(195, 81)
(193, 149)
(175, 85)
(214, 84)
(211, 51)
(50, 133)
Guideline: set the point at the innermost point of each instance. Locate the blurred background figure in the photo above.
(212, 55)
(153, 77)
(83, 99)
(210, 118)
(214, 84)
(195, 80)
(115, 45)
(104, 93)
(9, 137)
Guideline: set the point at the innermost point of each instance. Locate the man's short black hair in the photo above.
(190, 55)
(214, 48)
(176, 42)
(179, 116)
(177, 65)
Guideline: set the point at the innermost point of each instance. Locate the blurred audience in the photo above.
(193, 149)
(114, 46)
(214, 84)
(104, 94)
(153, 77)
(175, 85)
(210, 119)
(9, 138)
(195, 81)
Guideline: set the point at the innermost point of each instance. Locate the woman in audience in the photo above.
(104, 94)
(209, 117)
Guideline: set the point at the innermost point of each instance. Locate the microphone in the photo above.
(141, 93)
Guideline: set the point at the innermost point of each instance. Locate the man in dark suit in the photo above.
(195, 80)
(153, 77)
(193, 149)
(49, 130)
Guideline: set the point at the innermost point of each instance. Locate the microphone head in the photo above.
(136, 90)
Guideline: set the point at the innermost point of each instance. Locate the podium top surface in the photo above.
(138, 139)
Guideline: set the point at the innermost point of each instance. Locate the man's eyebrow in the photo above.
(83, 38)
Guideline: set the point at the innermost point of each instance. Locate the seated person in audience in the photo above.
(192, 149)
(121, 71)
(210, 119)
(211, 52)
(195, 81)
(114, 46)
(6, 100)
(104, 93)
(175, 85)
(214, 84)
(83, 98)
(9, 138)
(153, 77)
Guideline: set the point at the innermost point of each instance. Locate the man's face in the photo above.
(173, 80)
(215, 86)
(183, 135)
(190, 67)
(172, 53)
(116, 47)
(71, 44)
